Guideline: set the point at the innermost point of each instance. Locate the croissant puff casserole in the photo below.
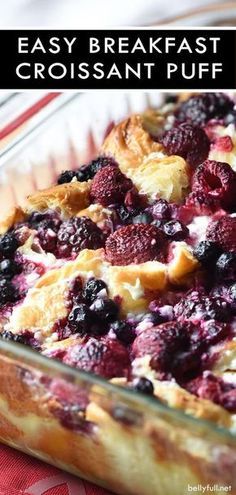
(126, 269)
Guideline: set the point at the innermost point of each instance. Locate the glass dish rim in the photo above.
(30, 357)
(35, 358)
(191, 14)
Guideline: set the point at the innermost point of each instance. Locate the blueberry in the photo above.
(232, 293)
(226, 266)
(8, 244)
(143, 385)
(176, 230)
(92, 289)
(11, 336)
(206, 251)
(230, 118)
(81, 319)
(123, 331)
(66, 176)
(8, 268)
(105, 309)
(8, 293)
(155, 317)
(124, 214)
(161, 210)
(143, 218)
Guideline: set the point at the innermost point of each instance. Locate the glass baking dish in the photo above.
(98, 430)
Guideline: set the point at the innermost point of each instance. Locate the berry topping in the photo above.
(110, 186)
(93, 288)
(8, 268)
(197, 307)
(104, 357)
(105, 309)
(226, 266)
(161, 210)
(86, 172)
(211, 387)
(8, 293)
(176, 230)
(66, 176)
(76, 234)
(217, 181)
(169, 347)
(81, 319)
(135, 244)
(143, 385)
(8, 244)
(144, 218)
(188, 141)
(13, 337)
(47, 225)
(223, 233)
(223, 143)
(206, 252)
(123, 331)
(201, 108)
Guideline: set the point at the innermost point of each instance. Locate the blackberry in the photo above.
(123, 331)
(8, 244)
(92, 288)
(206, 252)
(201, 108)
(87, 172)
(105, 309)
(176, 230)
(8, 268)
(8, 293)
(66, 176)
(76, 234)
(143, 385)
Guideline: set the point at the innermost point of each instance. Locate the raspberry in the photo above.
(223, 233)
(217, 181)
(187, 141)
(199, 109)
(110, 186)
(104, 357)
(223, 143)
(211, 387)
(76, 234)
(135, 244)
(198, 307)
